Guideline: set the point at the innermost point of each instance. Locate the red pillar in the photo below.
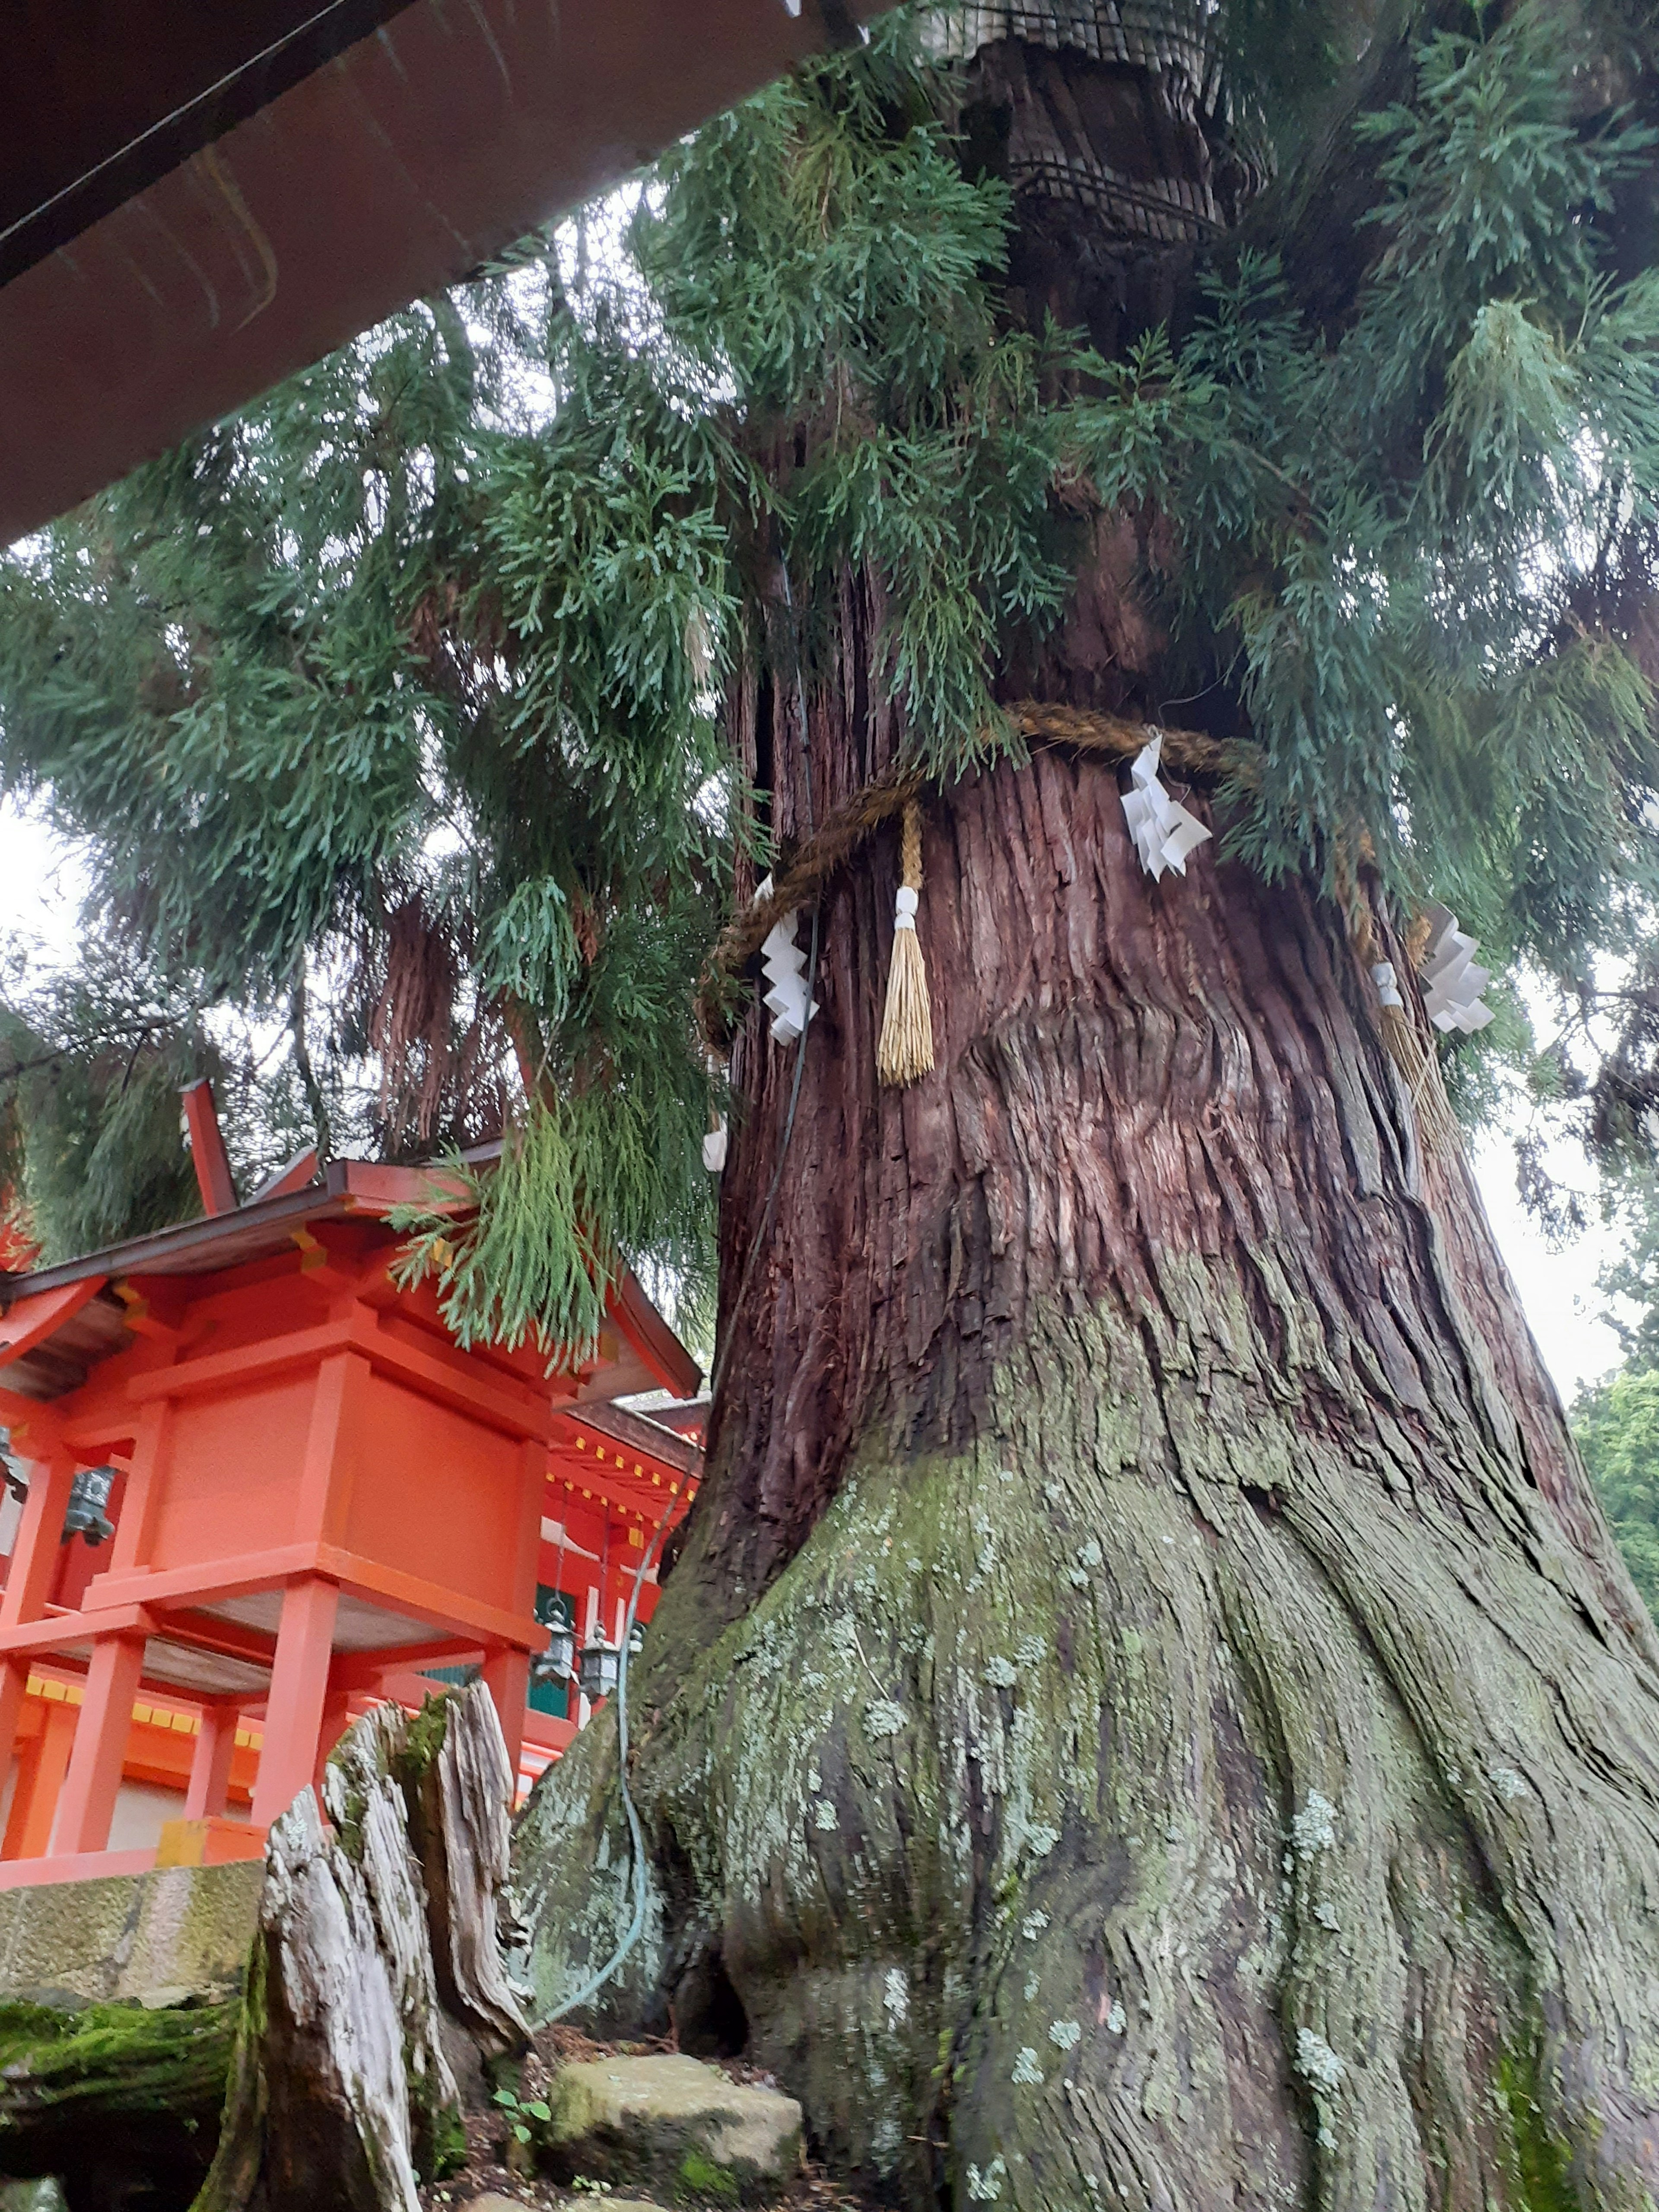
(299, 1684)
(141, 1496)
(337, 1719)
(210, 1768)
(40, 1782)
(14, 1681)
(507, 1677)
(34, 1554)
(28, 1578)
(94, 1780)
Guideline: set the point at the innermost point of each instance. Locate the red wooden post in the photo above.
(507, 1677)
(94, 1780)
(14, 1681)
(299, 1684)
(210, 1767)
(135, 1528)
(34, 1554)
(329, 1469)
(337, 1719)
(39, 1780)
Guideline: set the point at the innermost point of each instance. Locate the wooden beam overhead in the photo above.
(195, 201)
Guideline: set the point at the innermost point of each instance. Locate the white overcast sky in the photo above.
(43, 885)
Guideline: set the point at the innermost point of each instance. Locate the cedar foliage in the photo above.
(407, 680)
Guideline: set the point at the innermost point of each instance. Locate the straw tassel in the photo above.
(905, 1053)
(1411, 1054)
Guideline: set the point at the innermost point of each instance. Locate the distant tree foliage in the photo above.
(1617, 1429)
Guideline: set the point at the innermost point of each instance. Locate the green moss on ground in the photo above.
(114, 2089)
(111, 2058)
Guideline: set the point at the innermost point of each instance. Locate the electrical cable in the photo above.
(636, 1834)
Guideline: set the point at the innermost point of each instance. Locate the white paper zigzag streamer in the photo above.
(783, 966)
(1164, 832)
(1452, 984)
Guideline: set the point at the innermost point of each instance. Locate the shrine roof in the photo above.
(362, 1192)
(256, 1230)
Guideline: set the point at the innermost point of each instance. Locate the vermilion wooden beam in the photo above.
(225, 1639)
(31, 1321)
(207, 1148)
(357, 1672)
(374, 1188)
(155, 1307)
(497, 1399)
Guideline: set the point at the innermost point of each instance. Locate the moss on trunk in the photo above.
(1067, 1836)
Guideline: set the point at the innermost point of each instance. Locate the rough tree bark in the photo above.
(1148, 1713)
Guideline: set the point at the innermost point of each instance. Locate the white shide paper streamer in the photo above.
(1452, 983)
(1164, 832)
(783, 966)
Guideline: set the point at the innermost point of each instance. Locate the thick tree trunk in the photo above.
(1148, 1713)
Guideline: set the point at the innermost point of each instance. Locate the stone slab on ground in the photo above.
(675, 2127)
(493, 2201)
(155, 1939)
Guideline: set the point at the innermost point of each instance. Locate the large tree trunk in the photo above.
(1148, 1713)
(1148, 1705)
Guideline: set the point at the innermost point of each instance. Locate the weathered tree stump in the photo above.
(378, 1939)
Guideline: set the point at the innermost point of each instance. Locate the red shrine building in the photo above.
(258, 1487)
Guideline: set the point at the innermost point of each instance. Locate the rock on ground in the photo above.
(45, 2195)
(675, 2127)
